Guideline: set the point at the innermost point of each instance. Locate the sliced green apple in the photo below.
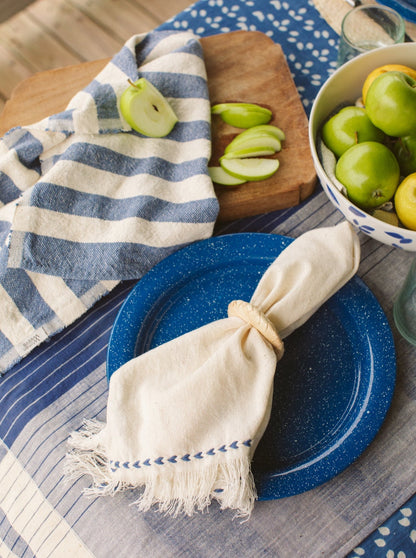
(262, 130)
(220, 176)
(261, 142)
(242, 115)
(146, 110)
(250, 169)
(261, 151)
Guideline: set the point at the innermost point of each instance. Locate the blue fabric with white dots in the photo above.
(310, 45)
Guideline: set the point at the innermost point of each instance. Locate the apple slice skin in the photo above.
(261, 130)
(249, 152)
(259, 141)
(146, 110)
(250, 169)
(242, 115)
(222, 177)
(243, 157)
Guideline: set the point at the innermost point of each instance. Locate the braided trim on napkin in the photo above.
(114, 465)
(253, 316)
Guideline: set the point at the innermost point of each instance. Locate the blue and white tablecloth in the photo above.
(45, 396)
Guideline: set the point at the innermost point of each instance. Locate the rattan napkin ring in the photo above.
(253, 316)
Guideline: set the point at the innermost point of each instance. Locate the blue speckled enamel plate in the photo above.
(334, 384)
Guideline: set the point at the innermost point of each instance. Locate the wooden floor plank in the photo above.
(162, 10)
(119, 17)
(77, 32)
(50, 34)
(40, 51)
(12, 72)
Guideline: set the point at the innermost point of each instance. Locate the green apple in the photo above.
(242, 115)
(349, 126)
(220, 176)
(146, 110)
(405, 201)
(405, 151)
(250, 169)
(370, 173)
(391, 103)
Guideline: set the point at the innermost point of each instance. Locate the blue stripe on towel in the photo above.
(108, 160)
(146, 46)
(107, 261)
(5, 344)
(178, 86)
(192, 47)
(188, 131)
(53, 198)
(125, 62)
(31, 305)
(4, 231)
(27, 147)
(128, 62)
(8, 189)
(64, 115)
(105, 99)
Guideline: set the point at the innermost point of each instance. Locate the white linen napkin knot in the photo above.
(184, 419)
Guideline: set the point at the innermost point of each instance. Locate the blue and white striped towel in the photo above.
(85, 201)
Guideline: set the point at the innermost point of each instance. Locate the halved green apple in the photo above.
(242, 115)
(146, 110)
(220, 176)
(250, 169)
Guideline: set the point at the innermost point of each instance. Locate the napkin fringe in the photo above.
(230, 482)
(87, 458)
(188, 492)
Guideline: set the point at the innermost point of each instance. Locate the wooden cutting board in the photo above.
(244, 66)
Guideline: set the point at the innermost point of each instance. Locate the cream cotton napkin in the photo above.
(184, 419)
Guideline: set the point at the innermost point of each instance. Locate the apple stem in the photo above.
(133, 84)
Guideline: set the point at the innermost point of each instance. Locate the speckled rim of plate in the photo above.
(407, 9)
(159, 308)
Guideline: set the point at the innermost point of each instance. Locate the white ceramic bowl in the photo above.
(344, 86)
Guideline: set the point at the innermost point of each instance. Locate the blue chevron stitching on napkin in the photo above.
(114, 465)
(85, 201)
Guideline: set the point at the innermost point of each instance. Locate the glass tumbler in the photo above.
(368, 27)
(404, 309)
